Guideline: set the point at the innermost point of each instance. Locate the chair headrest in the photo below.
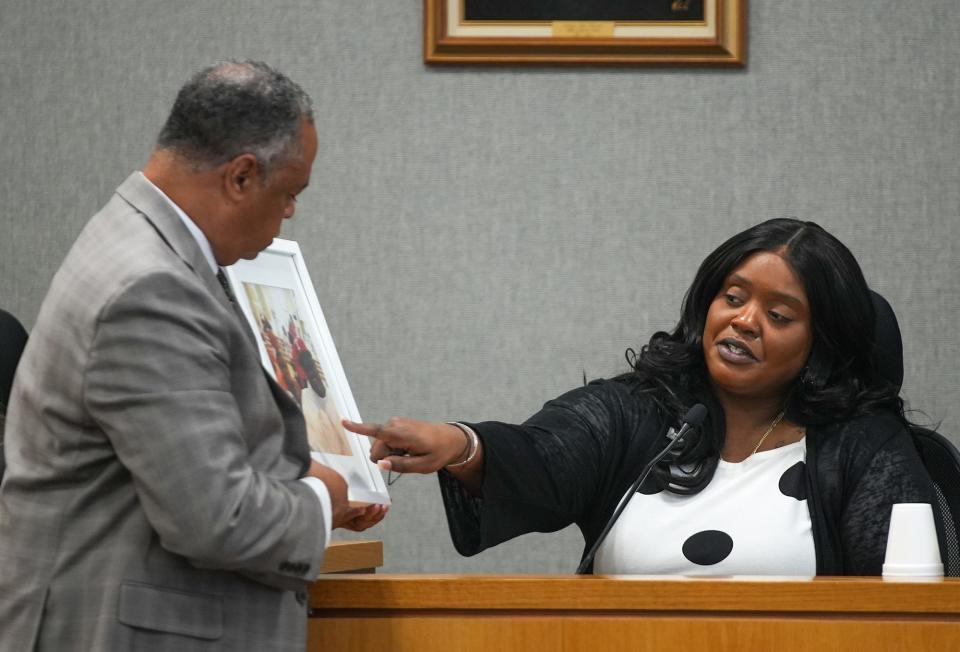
(889, 344)
(13, 338)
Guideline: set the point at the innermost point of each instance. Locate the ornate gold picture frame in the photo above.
(594, 32)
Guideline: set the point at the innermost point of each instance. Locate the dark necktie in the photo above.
(226, 285)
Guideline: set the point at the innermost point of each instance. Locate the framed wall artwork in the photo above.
(296, 348)
(653, 32)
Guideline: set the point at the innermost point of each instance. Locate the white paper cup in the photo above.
(912, 547)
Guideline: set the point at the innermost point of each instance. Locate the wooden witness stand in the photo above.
(466, 613)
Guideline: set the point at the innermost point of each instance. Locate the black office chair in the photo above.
(13, 337)
(939, 455)
(943, 464)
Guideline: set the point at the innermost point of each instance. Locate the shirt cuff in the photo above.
(323, 494)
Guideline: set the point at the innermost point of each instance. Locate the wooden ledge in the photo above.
(820, 596)
(352, 557)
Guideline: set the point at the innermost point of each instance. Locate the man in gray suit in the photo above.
(160, 493)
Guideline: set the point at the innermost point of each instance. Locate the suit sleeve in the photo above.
(159, 384)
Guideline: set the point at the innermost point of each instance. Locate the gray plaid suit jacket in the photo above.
(151, 500)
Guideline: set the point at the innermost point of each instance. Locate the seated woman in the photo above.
(793, 472)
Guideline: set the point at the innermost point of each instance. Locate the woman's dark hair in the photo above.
(840, 379)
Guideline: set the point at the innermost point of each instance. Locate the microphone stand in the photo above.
(692, 419)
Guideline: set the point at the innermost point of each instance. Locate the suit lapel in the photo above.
(155, 208)
(296, 447)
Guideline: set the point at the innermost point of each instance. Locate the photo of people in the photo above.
(296, 366)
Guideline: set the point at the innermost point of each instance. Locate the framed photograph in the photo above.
(281, 306)
(654, 32)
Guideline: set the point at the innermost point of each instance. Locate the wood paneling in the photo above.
(506, 613)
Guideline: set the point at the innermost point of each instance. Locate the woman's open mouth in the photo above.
(735, 351)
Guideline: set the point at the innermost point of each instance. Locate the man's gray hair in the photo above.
(234, 108)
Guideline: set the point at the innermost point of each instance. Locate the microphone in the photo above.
(692, 420)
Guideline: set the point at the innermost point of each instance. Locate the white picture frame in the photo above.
(279, 301)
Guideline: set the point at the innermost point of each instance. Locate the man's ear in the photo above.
(240, 173)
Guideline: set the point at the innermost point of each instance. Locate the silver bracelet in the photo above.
(473, 444)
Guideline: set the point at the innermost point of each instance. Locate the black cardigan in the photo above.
(572, 462)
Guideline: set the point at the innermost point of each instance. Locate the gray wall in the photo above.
(481, 238)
